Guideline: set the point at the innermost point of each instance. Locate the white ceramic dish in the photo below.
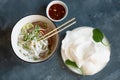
(17, 28)
(79, 47)
(57, 2)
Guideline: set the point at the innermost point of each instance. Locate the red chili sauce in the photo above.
(57, 11)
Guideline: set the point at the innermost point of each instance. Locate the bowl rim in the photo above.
(18, 27)
(57, 2)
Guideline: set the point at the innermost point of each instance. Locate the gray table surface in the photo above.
(102, 14)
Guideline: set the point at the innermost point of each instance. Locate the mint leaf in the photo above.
(71, 63)
(97, 35)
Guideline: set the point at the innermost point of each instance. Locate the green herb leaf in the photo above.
(71, 63)
(37, 28)
(97, 35)
(25, 46)
(35, 58)
(25, 37)
(26, 27)
(74, 65)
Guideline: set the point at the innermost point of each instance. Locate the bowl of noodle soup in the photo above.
(26, 38)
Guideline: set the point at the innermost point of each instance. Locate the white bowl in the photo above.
(57, 2)
(16, 31)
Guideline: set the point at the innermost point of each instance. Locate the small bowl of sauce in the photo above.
(57, 11)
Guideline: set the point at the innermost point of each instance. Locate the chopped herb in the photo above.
(25, 46)
(37, 28)
(35, 58)
(32, 37)
(26, 27)
(25, 37)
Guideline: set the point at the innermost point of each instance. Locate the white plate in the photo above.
(78, 43)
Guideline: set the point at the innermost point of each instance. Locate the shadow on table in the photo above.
(42, 10)
(8, 59)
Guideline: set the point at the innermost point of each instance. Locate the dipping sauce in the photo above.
(57, 11)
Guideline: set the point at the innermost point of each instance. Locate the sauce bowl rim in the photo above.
(57, 2)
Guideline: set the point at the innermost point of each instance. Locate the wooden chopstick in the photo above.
(58, 28)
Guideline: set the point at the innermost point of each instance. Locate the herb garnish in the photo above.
(98, 36)
(73, 64)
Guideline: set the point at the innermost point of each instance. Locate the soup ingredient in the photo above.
(81, 49)
(29, 40)
(57, 11)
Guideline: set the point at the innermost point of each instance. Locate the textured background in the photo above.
(102, 14)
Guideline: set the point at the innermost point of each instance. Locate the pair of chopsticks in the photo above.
(59, 29)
